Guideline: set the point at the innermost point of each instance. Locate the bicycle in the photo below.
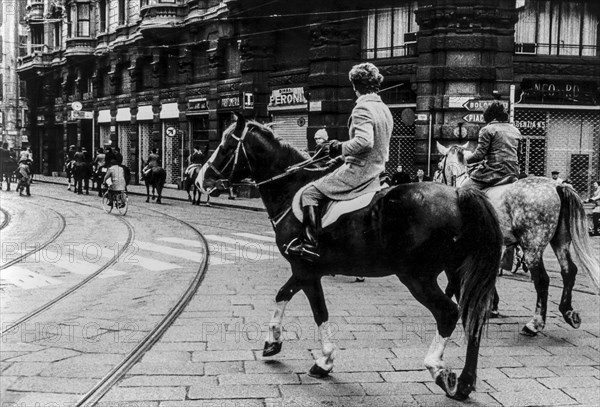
(116, 199)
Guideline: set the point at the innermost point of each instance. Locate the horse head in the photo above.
(454, 163)
(247, 150)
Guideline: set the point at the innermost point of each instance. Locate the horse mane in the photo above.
(290, 153)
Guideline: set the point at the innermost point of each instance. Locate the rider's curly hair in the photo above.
(365, 77)
(495, 111)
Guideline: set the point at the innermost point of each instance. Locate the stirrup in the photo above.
(309, 254)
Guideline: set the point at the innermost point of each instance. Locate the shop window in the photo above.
(557, 28)
(390, 32)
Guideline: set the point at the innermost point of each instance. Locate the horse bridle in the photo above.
(232, 160)
(455, 178)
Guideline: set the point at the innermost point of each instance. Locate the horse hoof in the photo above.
(572, 318)
(271, 348)
(528, 332)
(462, 391)
(318, 372)
(446, 379)
(359, 280)
(494, 314)
(147, 200)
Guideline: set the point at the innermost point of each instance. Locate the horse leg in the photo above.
(159, 194)
(314, 292)
(541, 283)
(153, 192)
(445, 312)
(560, 244)
(284, 295)
(147, 193)
(87, 185)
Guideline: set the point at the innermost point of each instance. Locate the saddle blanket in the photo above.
(333, 209)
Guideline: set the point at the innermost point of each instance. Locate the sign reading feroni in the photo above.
(287, 97)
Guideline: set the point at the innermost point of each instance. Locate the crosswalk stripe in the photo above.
(256, 237)
(26, 279)
(184, 254)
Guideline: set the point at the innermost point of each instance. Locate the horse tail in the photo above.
(482, 242)
(572, 213)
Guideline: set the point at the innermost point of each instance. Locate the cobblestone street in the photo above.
(212, 354)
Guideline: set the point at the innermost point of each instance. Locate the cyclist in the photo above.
(115, 179)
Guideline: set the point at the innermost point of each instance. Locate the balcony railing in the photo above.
(80, 46)
(405, 50)
(530, 48)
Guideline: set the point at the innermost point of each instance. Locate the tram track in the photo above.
(38, 247)
(6, 219)
(118, 372)
(104, 385)
(76, 287)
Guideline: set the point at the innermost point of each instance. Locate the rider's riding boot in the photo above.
(308, 245)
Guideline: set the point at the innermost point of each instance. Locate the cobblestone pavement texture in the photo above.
(212, 354)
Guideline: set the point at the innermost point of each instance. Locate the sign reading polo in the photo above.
(287, 97)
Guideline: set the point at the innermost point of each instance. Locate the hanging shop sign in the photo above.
(564, 92)
(287, 97)
(197, 105)
(229, 102)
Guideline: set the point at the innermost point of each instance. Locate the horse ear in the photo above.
(240, 124)
(443, 150)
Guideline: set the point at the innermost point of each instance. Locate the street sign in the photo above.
(171, 131)
(78, 114)
(76, 106)
(474, 118)
(479, 105)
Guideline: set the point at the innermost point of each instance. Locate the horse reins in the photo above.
(275, 219)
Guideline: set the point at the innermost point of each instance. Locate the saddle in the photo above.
(190, 169)
(333, 209)
(509, 179)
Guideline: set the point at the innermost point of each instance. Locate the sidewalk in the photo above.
(252, 204)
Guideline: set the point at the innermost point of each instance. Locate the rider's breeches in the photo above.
(311, 196)
(596, 222)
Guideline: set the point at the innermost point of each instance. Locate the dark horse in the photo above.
(189, 180)
(82, 172)
(413, 231)
(7, 170)
(156, 179)
(535, 212)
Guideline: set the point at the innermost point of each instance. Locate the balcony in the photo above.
(78, 46)
(34, 10)
(158, 15)
(40, 56)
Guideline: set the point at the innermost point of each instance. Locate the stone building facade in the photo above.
(169, 73)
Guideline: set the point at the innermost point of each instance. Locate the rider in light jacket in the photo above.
(363, 156)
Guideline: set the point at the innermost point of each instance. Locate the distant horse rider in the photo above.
(153, 161)
(497, 149)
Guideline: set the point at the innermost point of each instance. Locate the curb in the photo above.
(212, 204)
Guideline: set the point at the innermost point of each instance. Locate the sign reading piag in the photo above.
(287, 97)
